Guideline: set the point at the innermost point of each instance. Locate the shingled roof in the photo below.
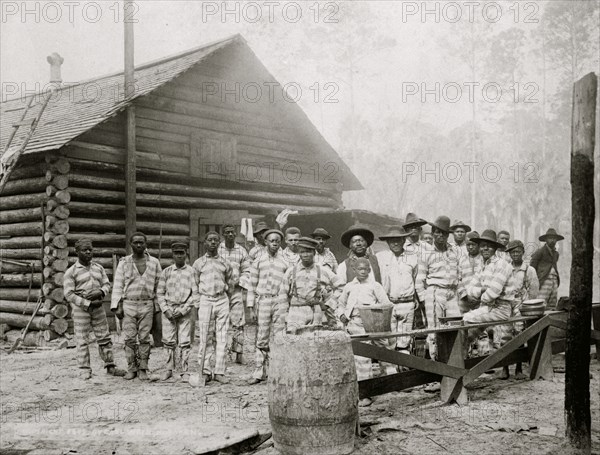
(76, 108)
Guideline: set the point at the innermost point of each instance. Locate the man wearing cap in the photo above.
(240, 263)
(266, 277)
(470, 264)
(260, 246)
(414, 226)
(309, 290)
(438, 278)
(398, 274)
(85, 286)
(493, 286)
(214, 275)
(358, 239)
(177, 294)
(459, 232)
(290, 253)
(503, 239)
(527, 287)
(545, 261)
(323, 255)
(134, 297)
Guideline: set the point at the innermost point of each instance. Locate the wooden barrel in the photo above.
(313, 393)
(533, 307)
(376, 318)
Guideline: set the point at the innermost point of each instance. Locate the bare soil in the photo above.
(46, 409)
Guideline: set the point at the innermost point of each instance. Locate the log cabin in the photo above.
(217, 139)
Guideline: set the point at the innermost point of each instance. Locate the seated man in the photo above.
(493, 285)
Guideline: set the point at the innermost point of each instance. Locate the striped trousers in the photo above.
(84, 322)
(498, 312)
(269, 321)
(439, 303)
(549, 292)
(403, 317)
(237, 321)
(213, 315)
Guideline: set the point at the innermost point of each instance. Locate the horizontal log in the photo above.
(108, 252)
(51, 190)
(119, 225)
(61, 182)
(22, 200)
(84, 181)
(17, 254)
(60, 265)
(63, 196)
(50, 220)
(109, 210)
(19, 320)
(32, 338)
(157, 200)
(60, 326)
(60, 227)
(61, 212)
(61, 165)
(20, 294)
(47, 288)
(57, 295)
(57, 278)
(107, 262)
(26, 171)
(5, 267)
(20, 215)
(51, 205)
(48, 260)
(33, 241)
(25, 186)
(19, 229)
(60, 241)
(14, 306)
(50, 335)
(15, 280)
(61, 253)
(119, 239)
(48, 272)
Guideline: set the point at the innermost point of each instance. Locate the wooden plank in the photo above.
(395, 382)
(397, 358)
(513, 344)
(596, 321)
(451, 351)
(540, 361)
(194, 234)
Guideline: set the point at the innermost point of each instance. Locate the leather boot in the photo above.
(130, 355)
(185, 357)
(143, 355)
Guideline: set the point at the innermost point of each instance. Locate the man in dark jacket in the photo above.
(544, 261)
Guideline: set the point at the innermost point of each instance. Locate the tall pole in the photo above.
(130, 164)
(577, 362)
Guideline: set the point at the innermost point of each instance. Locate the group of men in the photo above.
(482, 278)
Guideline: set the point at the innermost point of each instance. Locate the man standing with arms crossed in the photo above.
(134, 298)
(85, 285)
(240, 263)
(266, 276)
(215, 282)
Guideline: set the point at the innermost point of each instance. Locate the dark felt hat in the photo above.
(472, 235)
(320, 232)
(395, 232)
(261, 226)
(273, 231)
(551, 233)
(460, 224)
(364, 232)
(308, 242)
(412, 220)
(515, 244)
(442, 223)
(489, 236)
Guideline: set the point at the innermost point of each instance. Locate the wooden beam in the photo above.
(451, 351)
(577, 361)
(540, 360)
(395, 382)
(406, 360)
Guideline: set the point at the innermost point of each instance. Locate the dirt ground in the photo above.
(46, 409)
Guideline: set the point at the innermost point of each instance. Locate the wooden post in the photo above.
(130, 163)
(450, 351)
(577, 380)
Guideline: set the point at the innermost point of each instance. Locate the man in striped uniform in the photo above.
(177, 296)
(134, 297)
(459, 233)
(398, 274)
(260, 246)
(323, 255)
(438, 278)
(290, 253)
(493, 286)
(240, 263)
(309, 291)
(85, 286)
(470, 264)
(215, 284)
(266, 277)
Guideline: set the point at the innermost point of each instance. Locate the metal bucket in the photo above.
(376, 318)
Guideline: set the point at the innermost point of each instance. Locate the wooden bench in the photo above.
(453, 370)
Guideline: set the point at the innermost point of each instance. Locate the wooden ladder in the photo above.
(10, 163)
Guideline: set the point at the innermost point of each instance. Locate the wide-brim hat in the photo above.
(472, 235)
(320, 232)
(460, 224)
(308, 242)
(395, 232)
(514, 244)
(273, 231)
(261, 226)
(413, 220)
(489, 236)
(364, 232)
(551, 233)
(442, 223)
